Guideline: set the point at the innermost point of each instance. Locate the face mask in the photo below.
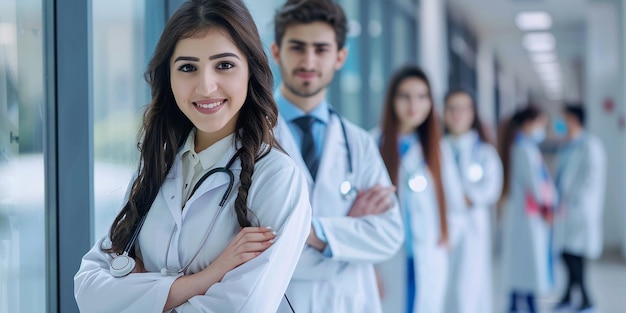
(560, 127)
(538, 135)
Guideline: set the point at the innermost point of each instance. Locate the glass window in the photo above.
(376, 82)
(22, 182)
(263, 14)
(119, 97)
(350, 82)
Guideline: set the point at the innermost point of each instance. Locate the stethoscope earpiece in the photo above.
(122, 265)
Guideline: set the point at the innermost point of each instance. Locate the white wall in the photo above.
(434, 47)
(604, 73)
(486, 84)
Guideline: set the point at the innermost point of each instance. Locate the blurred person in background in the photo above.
(528, 200)
(580, 181)
(212, 111)
(356, 220)
(422, 166)
(480, 168)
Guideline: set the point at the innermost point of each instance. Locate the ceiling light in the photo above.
(533, 20)
(539, 42)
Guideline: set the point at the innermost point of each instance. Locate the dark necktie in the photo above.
(309, 153)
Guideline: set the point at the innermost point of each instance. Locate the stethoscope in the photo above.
(123, 264)
(347, 189)
(417, 181)
(475, 172)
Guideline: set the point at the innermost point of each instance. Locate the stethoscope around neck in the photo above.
(417, 181)
(347, 189)
(123, 264)
(474, 172)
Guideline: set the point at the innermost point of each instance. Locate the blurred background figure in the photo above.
(527, 199)
(580, 181)
(422, 167)
(480, 169)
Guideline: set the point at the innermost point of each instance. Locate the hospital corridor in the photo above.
(335, 156)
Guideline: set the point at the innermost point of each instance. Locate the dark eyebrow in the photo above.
(223, 55)
(302, 43)
(186, 59)
(213, 57)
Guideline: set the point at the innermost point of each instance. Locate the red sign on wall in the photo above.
(608, 105)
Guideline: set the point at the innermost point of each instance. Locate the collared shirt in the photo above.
(290, 112)
(196, 164)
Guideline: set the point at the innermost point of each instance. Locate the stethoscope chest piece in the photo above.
(347, 190)
(475, 173)
(121, 265)
(417, 182)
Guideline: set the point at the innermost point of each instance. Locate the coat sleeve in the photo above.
(370, 238)
(531, 169)
(258, 285)
(589, 177)
(487, 191)
(94, 287)
(97, 291)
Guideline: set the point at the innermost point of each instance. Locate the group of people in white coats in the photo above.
(535, 206)
(248, 199)
(447, 183)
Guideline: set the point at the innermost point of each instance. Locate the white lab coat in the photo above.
(344, 282)
(526, 246)
(470, 287)
(278, 197)
(581, 185)
(430, 259)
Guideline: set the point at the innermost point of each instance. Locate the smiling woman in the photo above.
(212, 111)
(209, 78)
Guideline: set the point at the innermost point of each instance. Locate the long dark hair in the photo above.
(508, 130)
(477, 125)
(429, 134)
(165, 127)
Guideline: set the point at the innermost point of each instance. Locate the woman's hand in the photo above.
(249, 243)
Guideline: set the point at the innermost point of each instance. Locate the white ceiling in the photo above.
(493, 21)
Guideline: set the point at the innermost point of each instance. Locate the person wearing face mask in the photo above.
(422, 166)
(580, 180)
(480, 168)
(528, 200)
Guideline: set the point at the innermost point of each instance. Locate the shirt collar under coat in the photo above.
(290, 111)
(209, 156)
(464, 141)
(173, 184)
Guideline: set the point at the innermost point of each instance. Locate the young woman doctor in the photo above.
(528, 198)
(480, 168)
(212, 112)
(421, 165)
